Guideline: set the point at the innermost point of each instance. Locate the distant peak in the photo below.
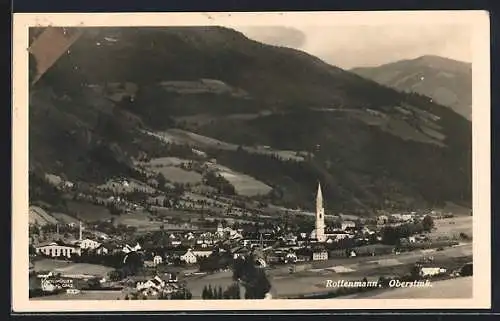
(434, 58)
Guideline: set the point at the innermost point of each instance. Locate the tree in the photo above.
(253, 279)
(428, 223)
(204, 293)
(219, 293)
(115, 275)
(210, 293)
(161, 181)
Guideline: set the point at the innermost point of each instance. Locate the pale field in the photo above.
(314, 280)
(450, 227)
(166, 161)
(458, 288)
(39, 216)
(244, 184)
(65, 218)
(137, 219)
(178, 175)
(180, 136)
(66, 267)
(89, 212)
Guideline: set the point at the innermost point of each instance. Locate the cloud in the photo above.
(361, 45)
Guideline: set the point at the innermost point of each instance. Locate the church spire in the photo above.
(319, 196)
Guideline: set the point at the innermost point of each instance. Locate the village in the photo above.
(180, 256)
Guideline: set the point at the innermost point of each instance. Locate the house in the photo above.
(431, 271)
(303, 258)
(407, 217)
(127, 248)
(382, 219)
(57, 249)
(89, 244)
(189, 257)
(155, 283)
(202, 252)
(102, 250)
(157, 260)
(347, 224)
(175, 242)
(337, 236)
(320, 255)
(290, 257)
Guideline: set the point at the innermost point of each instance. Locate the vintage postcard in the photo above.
(251, 161)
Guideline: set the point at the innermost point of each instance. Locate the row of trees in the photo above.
(215, 293)
(391, 235)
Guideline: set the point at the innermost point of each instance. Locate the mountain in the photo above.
(446, 81)
(371, 146)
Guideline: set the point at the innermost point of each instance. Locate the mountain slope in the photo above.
(447, 81)
(372, 147)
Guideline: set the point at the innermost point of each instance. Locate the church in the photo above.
(320, 232)
(319, 229)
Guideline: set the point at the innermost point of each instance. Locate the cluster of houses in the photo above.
(156, 286)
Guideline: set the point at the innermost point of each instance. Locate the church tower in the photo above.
(320, 216)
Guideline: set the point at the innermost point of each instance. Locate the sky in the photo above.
(352, 46)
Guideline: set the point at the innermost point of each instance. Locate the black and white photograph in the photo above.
(317, 160)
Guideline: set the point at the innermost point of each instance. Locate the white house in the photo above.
(406, 217)
(155, 283)
(382, 219)
(336, 236)
(431, 271)
(88, 244)
(102, 250)
(157, 260)
(347, 224)
(127, 248)
(189, 257)
(203, 252)
(320, 255)
(57, 249)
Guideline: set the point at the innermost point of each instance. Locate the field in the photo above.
(450, 227)
(243, 184)
(179, 136)
(459, 288)
(314, 279)
(65, 218)
(179, 175)
(166, 166)
(71, 268)
(39, 216)
(136, 219)
(89, 212)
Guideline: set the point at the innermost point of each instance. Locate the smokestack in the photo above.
(80, 235)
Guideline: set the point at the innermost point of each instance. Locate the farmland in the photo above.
(66, 267)
(39, 216)
(312, 280)
(452, 227)
(89, 212)
(439, 289)
(244, 184)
